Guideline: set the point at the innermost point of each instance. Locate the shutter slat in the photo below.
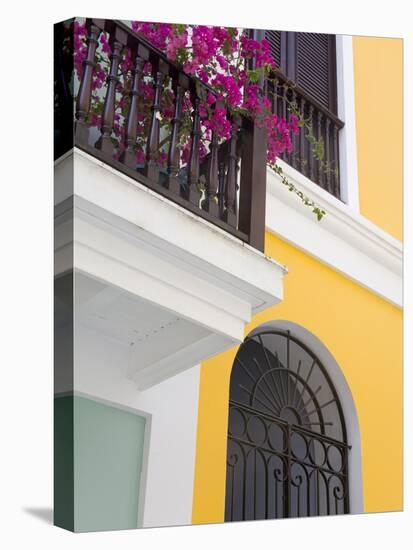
(274, 38)
(310, 62)
(313, 64)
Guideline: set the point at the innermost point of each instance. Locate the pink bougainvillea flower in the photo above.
(223, 63)
(105, 44)
(176, 42)
(140, 156)
(293, 124)
(212, 55)
(191, 66)
(203, 76)
(210, 99)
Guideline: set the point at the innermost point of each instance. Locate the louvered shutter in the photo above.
(315, 69)
(309, 59)
(274, 38)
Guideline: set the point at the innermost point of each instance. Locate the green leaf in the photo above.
(253, 75)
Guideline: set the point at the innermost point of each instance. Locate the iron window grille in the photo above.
(287, 452)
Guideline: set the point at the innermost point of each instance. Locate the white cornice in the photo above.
(174, 265)
(176, 233)
(343, 239)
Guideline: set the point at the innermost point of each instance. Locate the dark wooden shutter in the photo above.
(274, 38)
(315, 69)
(278, 47)
(309, 59)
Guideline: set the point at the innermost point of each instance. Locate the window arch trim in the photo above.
(349, 414)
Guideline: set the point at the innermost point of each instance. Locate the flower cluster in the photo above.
(157, 33)
(219, 123)
(259, 51)
(231, 65)
(279, 136)
(79, 47)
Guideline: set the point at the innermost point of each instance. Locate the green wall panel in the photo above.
(107, 463)
(63, 513)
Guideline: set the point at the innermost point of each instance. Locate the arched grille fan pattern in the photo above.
(287, 450)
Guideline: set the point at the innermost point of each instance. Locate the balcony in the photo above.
(325, 127)
(167, 257)
(233, 172)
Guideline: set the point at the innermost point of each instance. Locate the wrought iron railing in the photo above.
(322, 126)
(234, 173)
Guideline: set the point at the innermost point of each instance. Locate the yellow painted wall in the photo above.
(378, 81)
(364, 334)
(362, 331)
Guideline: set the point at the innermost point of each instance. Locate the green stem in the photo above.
(319, 212)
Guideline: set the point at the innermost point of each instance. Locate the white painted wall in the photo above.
(344, 239)
(347, 112)
(171, 408)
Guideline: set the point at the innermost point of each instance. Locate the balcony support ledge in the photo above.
(169, 284)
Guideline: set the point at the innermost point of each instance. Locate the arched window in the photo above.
(287, 444)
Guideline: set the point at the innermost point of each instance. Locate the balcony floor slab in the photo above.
(144, 265)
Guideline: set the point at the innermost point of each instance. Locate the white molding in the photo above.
(212, 344)
(63, 177)
(179, 235)
(347, 112)
(171, 412)
(173, 264)
(63, 236)
(344, 240)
